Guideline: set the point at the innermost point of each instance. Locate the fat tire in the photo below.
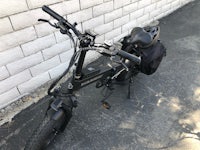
(44, 133)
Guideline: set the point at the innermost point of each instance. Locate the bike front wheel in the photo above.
(45, 133)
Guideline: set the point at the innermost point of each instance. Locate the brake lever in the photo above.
(53, 25)
(43, 20)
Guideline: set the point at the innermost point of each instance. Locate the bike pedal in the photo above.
(106, 105)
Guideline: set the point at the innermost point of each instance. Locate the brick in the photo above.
(45, 66)
(116, 39)
(104, 28)
(24, 63)
(66, 7)
(113, 33)
(159, 16)
(155, 13)
(161, 3)
(28, 18)
(121, 3)
(99, 39)
(44, 29)
(16, 38)
(33, 83)
(80, 16)
(39, 44)
(5, 26)
(90, 3)
(93, 22)
(60, 37)
(121, 21)
(13, 81)
(129, 26)
(143, 3)
(72, 6)
(9, 97)
(133, 1)
(39, 3)
(102, 8)
(113, 15)
(166, 7)
(66, 56)
(10, 55)
(3, 73)
(57, 71)
(142, 19)
(11, 7)
(150, 8)
(56, 49)
(137, 14)
(130, 8)
(153, 1)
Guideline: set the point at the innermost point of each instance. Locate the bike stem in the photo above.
(84, 42)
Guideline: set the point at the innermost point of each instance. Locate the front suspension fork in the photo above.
(61, 108)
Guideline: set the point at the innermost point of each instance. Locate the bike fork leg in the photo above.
(60, 111)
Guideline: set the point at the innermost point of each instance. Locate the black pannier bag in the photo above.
(151, 57)
(151, 54)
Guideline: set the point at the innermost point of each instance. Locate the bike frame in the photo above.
(84, 76)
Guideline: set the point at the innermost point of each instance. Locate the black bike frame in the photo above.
(88, 75)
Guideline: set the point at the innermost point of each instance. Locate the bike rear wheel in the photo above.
(45, 133)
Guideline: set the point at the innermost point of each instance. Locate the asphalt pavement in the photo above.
(163, 112)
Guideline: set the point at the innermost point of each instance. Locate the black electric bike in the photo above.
(141, 51)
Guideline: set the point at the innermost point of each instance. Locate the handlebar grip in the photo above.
(52, 13)
(129, 56)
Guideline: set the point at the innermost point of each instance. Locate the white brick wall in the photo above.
(97, 21)
(27, 19)
(39, 44)
(5, 26)
(24, 63)
(12, 6)
(10, 55)
(13, 81)
(32, 53)
(103, 8)
(113, 15)
(3, 73)
(90, 3)
(16, 38)
(33, 83)
(45, 66)
(80, 16)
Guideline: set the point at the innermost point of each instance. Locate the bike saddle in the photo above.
(144, 37)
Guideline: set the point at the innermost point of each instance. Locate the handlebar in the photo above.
(61, 20)
(129, 56)
(123, 54)
(52, 13)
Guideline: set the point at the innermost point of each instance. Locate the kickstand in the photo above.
(108, 92)
(129, 88)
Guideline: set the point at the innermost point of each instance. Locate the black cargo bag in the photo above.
(151, 58)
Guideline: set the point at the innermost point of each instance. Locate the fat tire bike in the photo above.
(124, 63)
